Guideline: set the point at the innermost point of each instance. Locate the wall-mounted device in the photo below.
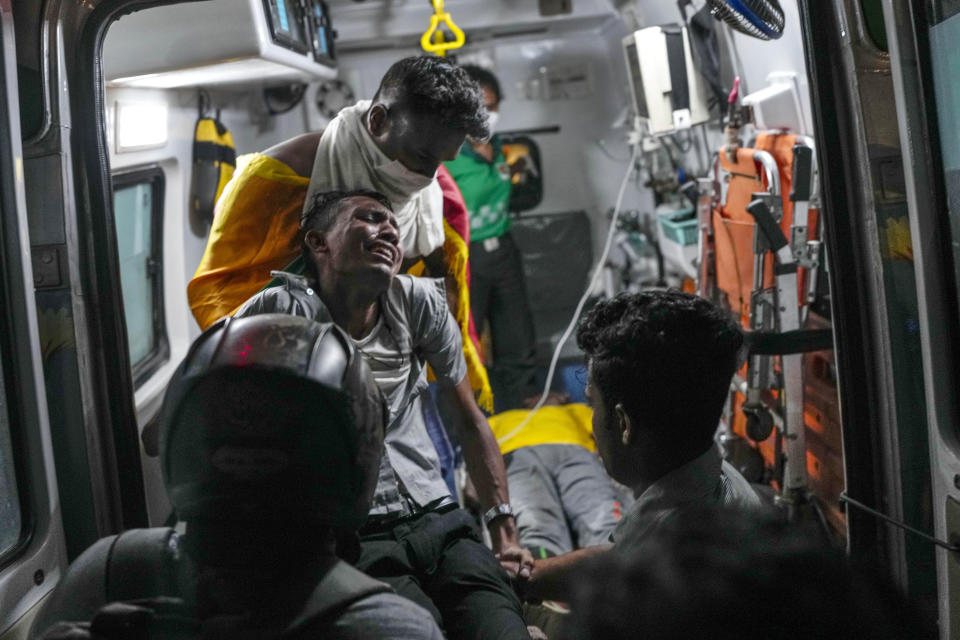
(777, 106)
(221, 42)
(287, 26)
(321, 30)
(326, 98)
(665, 86)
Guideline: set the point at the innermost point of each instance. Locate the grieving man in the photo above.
(660, 364)
(419, 116)
(416, 538)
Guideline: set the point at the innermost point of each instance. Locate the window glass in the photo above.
(138, 216)
(11, 521)
(945, 59)
(133, 210)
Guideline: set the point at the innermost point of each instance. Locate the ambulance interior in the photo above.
(572, 78)
(667, 147)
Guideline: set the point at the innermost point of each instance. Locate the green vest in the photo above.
(485, 187)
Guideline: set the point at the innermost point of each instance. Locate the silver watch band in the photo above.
(496, 512)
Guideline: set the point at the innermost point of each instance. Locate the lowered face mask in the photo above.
(400, 179)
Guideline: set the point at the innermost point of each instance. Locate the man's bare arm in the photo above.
(297, 153)
(553, 578)
(484, 463)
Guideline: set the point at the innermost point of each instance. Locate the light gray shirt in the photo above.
(705, 481)
(415, 328)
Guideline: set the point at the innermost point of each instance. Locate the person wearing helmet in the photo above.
(416, 538)
(271, 437)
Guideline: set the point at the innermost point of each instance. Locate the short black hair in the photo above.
(436, 87)
(324, 207)
(484, 78)
(667, 357)
(737, 576)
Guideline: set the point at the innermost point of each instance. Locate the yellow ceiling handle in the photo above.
(432, 40)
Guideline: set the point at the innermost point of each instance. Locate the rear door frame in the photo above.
(907, 35)
(33, 567)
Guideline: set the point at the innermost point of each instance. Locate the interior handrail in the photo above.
(432, 40)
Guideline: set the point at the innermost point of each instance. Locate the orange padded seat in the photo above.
(733, 226)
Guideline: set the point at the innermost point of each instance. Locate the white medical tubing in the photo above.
(597, 270)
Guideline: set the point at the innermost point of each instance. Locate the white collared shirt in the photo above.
(705, 481)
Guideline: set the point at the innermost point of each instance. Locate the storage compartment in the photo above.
(679, 226)
(677, 234)
(221, 42)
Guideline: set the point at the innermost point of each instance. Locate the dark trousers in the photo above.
(498, 295)
(438, 561)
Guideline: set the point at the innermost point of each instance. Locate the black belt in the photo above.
(383, 524)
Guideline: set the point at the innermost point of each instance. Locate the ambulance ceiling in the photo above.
(375, 24)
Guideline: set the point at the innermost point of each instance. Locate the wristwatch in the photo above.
(497, 512)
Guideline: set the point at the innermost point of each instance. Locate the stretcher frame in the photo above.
(775, 309)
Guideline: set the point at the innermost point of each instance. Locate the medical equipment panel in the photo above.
(321, 31)
(665, 86)
(286, 24)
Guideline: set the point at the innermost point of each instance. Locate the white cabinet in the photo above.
(220, 42)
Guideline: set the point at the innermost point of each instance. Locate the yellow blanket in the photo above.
(255, 230)
(564, 424)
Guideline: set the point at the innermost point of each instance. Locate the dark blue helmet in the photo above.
(274, 419)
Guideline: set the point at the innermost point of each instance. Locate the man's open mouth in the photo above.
(383, 250)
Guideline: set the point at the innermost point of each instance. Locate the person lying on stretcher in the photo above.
(561, 495)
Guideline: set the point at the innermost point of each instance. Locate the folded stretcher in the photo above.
(759, 256)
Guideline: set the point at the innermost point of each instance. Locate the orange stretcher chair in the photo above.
(733, 226)
(764, 267)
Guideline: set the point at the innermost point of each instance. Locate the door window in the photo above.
(945, 59)
(138, 211)
(943, 9)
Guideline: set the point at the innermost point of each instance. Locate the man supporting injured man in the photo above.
(416, 539)
(394, 144)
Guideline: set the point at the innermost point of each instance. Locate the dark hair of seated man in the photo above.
(324, 207)
(731, 575)
(664, 360)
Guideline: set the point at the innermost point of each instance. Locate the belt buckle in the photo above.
(491, 244)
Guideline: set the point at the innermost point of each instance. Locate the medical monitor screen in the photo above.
(321, 31)
(636, 79)
(286, 24)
